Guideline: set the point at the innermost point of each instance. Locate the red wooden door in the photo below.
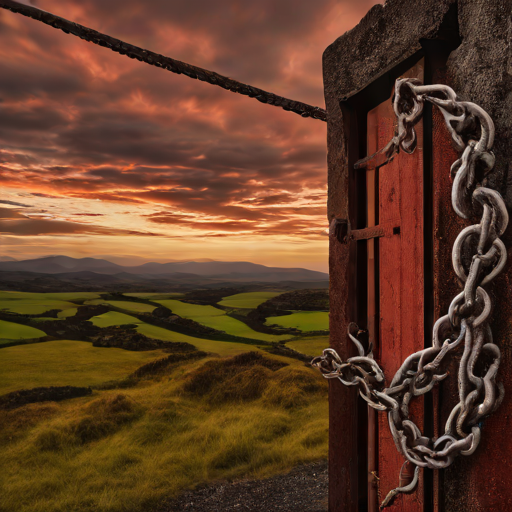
(395, 289)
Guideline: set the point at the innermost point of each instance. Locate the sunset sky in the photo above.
(101, 155)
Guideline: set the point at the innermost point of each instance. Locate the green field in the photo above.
(222, 348)
(13, 331)
(154, 295)
(67, 313)
(136, 307)
(71, 296)
(66, 362)
(33, 306)
(310, 346)
(217, 319)
(302, 320)
(249, 300)
(94, 302)
(112, 318)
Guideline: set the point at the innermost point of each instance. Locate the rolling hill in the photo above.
(70, 274)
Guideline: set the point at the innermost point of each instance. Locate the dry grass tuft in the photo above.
(294, 388)
(210, 378)
(105, 416)
(243, 386)
(14, 423)
(99, 419)
(251, 376)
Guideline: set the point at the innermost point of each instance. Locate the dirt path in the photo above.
(304, 489)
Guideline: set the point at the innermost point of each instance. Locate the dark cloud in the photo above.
(32, 227)
(80, 121)
(10, 213)
(14, 203)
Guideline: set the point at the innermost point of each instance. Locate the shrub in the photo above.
(243, 386)
(105, 416)
(160, 365)
(231, 380)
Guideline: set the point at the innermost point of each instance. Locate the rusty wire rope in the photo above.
(160, 61)
(478, 257)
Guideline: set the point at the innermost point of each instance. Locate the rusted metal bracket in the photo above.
(340, 229)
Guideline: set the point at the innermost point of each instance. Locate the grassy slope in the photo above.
(66, 362)
(310, 346)
(217, 319)
(125, 450)
(303, 320)
(249, 300)
(13, 331)
(34, 306)
(113, 318)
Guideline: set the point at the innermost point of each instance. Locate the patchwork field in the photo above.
(302, 320)
(33, 306)
(310, 346)
(249, 300)
(221, 348)
(25, 303)
(113, 318)
(195, 421)
(66, 362)
(136, 307)
(154, 295)
(12, 331)
(67, 313)
(217, 319)
(71, 296)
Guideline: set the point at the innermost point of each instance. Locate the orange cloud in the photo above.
(79, 121)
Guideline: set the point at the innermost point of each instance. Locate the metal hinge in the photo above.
(340, 229)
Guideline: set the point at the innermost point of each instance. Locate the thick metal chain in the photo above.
(161, 61)
(478, 257)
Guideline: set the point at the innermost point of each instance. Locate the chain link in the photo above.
(478, 257)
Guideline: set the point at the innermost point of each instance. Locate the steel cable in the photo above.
(155, 59)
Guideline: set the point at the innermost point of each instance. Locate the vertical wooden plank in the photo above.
(343, 402)
(372, 306)
(401, 286)
(483, 481)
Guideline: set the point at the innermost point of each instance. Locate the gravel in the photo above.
(303, 489)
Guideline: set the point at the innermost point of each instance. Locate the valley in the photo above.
(172, 390)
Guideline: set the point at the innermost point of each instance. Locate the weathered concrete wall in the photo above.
(480, 70)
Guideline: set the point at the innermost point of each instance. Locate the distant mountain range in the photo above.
(79, 273)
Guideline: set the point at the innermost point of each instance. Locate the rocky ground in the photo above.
(304, 489)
